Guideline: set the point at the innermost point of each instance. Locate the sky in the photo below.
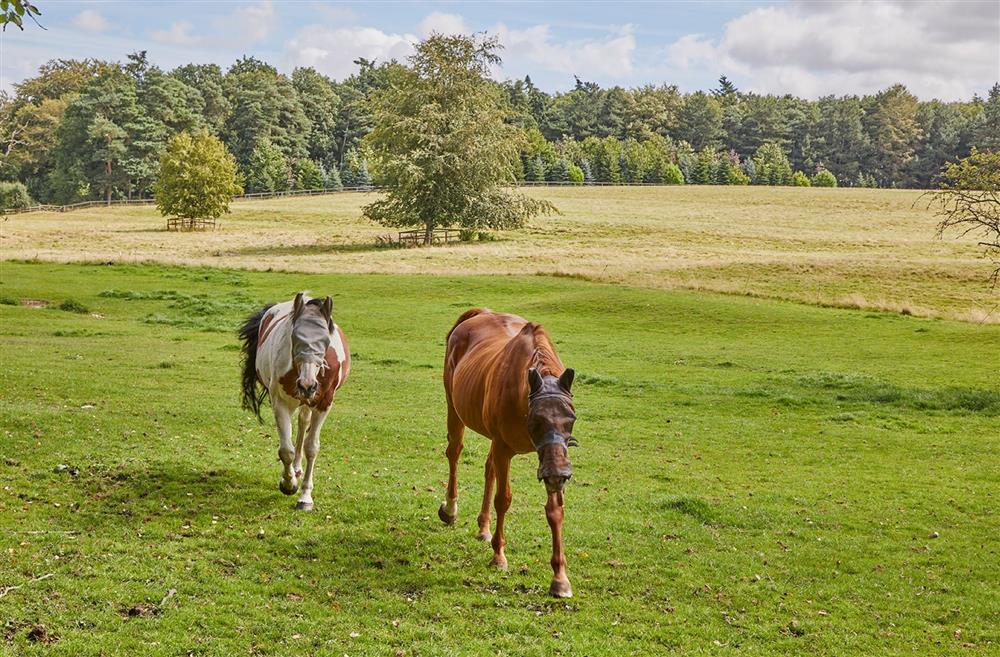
(947, 49)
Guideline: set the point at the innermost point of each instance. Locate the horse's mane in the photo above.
(543, 357)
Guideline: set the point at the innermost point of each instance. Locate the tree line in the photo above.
(90, 129)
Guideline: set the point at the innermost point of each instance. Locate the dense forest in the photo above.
(94, 129)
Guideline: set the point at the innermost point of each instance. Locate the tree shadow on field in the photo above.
(303, 249)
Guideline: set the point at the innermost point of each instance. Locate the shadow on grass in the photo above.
(240, 522)
(302, 249)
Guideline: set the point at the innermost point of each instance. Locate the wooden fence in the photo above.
(82, 205)
(438, 236)
(298, 192)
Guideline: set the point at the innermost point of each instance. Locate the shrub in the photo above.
(736, 176)
(800, 179)
(824, 178)
(672, 174)
(14, 196)
(575, 174)
(73, 306)
(307, 174)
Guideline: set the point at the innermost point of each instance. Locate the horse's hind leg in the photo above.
(484, 513)
(448, 510)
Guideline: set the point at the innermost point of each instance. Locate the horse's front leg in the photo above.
(560, 587)
(286, 450)
(501, 501)
(311, 451)
(304, 415)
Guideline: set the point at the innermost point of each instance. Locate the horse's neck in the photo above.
(543, 356)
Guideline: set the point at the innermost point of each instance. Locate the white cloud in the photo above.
(442, 24)
(89, 20)
(531, 51)
(179, 34)
(248, 25)
(333, 51)
(536, 49)
(944, 50)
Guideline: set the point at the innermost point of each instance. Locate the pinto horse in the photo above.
(300, 357)
(504, 380)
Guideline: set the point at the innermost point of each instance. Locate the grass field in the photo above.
(857, 248)
(754, 476)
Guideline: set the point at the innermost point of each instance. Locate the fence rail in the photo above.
(148, 201)
(300, 192)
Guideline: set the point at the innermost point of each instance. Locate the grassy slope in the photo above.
(753, 476)
(845, 247)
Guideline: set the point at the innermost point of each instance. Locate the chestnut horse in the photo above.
(504, 380)
(300, 357)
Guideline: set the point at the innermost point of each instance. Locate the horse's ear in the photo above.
(297, 305)
(534, 381)
(566, 379)
(328, 310)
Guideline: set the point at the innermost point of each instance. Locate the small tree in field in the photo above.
(197, 179)
(824, 178)
(969, 201)
(443, 145)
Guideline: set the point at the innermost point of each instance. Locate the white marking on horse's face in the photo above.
(308, 378)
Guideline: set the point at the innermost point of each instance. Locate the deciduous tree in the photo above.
(443, 145)
(198, 178)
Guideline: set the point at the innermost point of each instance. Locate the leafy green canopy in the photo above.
(442, 143)
(197, 177)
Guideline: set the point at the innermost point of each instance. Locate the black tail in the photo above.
(249, 334)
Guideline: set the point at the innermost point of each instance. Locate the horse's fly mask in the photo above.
(310, 338)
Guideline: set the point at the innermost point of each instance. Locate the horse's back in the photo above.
(474, 360)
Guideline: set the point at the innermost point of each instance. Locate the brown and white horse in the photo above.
(300, 357)
(504, 380)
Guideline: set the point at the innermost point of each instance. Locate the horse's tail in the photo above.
(250, 335)
(468, 314)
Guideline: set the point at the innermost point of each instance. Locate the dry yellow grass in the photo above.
(841, 247)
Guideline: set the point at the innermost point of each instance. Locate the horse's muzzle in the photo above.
(307, 391)
(555, 483)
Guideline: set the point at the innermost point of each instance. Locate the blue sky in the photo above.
(939, 49)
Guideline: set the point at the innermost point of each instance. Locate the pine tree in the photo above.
(266, 170)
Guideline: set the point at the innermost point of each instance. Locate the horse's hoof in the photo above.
(500, 563)
(484, 536)
(304, 506)
(288, 488)
(561, 589)
(445, 518)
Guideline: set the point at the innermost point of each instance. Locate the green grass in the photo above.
(754, 477)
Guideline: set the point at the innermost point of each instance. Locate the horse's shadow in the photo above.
(176, 502)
